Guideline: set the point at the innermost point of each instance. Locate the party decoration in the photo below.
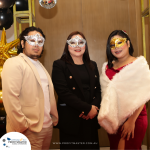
(48, 4)
(5, 53)
(6, 3)
(21, 5)
(6, 18)
(6, 48)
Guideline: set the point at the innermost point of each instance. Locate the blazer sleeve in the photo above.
(97, 99)
(63, 91)
(12, 77)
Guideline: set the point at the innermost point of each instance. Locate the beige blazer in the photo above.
(23, 96)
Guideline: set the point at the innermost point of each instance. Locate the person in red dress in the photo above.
(125, 84)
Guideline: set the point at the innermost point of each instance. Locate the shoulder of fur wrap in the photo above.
(126, 92)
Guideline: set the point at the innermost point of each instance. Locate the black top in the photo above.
(85, 79)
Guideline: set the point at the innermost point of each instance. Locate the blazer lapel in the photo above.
(32, 67)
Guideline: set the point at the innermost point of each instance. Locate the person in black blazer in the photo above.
(76, 82)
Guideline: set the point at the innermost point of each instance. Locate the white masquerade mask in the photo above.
(35, 40)
(77, 41)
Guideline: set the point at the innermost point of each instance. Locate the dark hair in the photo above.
(67, 57)
(110, 56)
(25, 33)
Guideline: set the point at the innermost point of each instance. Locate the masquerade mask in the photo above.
(77, 41)
(117, 42)
(35, 40)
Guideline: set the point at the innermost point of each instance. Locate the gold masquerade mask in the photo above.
(117, 42)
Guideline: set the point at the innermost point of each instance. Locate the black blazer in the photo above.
(71, 100)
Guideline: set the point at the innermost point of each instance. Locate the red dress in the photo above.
(140, 125)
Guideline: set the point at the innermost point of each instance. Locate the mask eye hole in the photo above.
(72, 42)
(112, 45)
(81, 42)
(119, 42)
(40, 41)
(32, 40)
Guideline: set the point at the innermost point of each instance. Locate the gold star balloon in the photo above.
(5, 53)
(6, 48)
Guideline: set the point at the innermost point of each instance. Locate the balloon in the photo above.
(6, 52)
(21, 5)
(6, 3)
(48, 4)
(6, 18)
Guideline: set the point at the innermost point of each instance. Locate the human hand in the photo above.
(93, 112)
(84, 116)
(128, 129)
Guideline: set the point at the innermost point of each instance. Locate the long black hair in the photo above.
(110, 56)
(25, 33)
(66, 55)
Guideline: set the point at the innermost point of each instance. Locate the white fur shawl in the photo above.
(127, 91)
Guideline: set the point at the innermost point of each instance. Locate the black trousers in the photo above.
(86, 138)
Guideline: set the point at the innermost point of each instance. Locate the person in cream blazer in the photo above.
(27, 107)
